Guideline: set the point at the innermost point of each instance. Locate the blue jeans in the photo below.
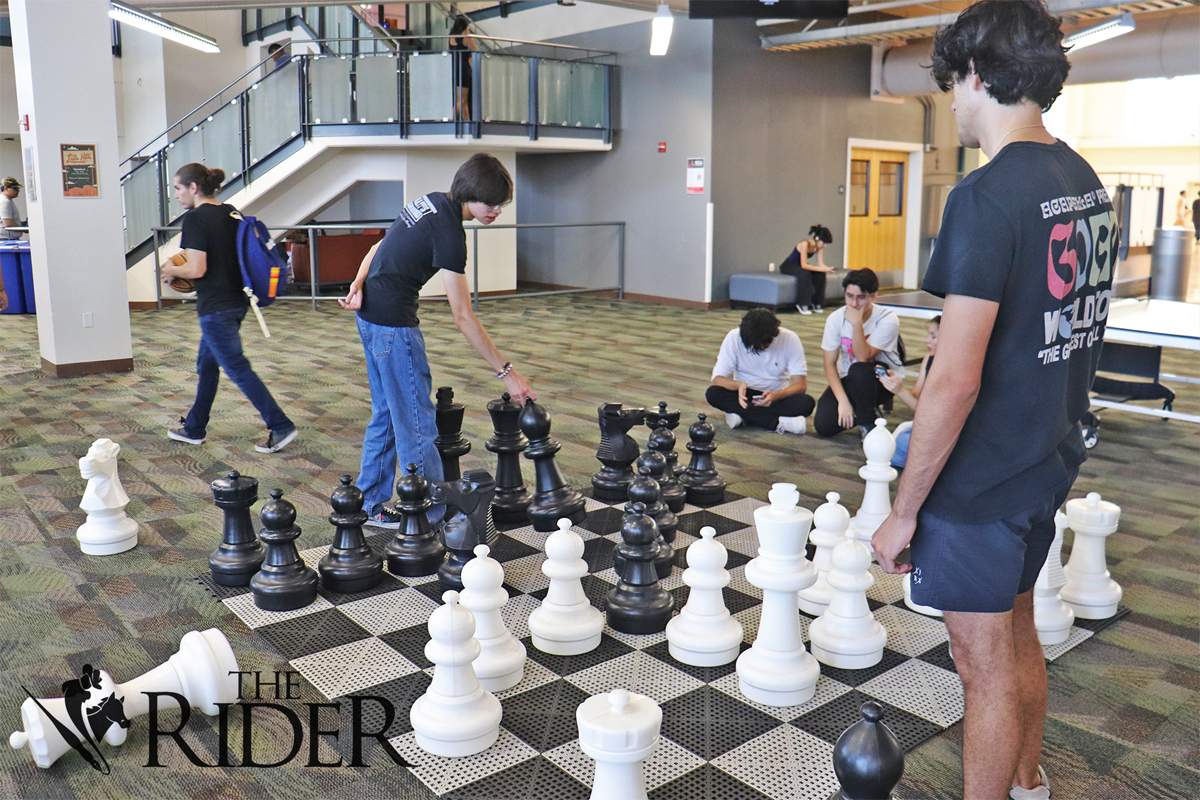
(402, 422)
(221, 349)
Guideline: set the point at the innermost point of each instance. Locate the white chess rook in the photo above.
(1051, 616)
(456, 716)
(107, 530)
(847, 635)
(204, 671)
(928, 611)
(565, 624)
(830, 521)
(1090, 591)
(777, 670)
(619, 729)
(879, 447)
(501, 662)
(704, 634)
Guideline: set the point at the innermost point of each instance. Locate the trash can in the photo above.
(1170, 259)
(11, 257)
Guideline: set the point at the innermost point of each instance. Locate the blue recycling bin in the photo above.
(15, 266)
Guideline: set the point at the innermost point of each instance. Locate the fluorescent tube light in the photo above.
(1101, 31)
(137, 18)
(660, 30)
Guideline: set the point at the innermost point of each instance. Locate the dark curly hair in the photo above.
(759, 328)
(821, 233)
(1015, 47)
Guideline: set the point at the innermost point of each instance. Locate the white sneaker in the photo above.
(732, 420)
(1039, 792)
(795, 425)
(804, 309)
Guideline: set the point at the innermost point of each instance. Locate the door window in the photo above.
(891, 188)
(860, 180)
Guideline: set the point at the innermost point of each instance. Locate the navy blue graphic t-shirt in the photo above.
(1032, 230)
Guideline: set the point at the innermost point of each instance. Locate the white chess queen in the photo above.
(107, 529)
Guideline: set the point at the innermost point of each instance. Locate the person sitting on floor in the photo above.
(892, 384)
(760, 377)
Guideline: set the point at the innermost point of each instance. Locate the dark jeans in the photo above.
(221, 349)
(798, 405)
(865, 392)
(810, 286)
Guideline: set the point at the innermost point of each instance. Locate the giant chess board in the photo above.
(715, 743)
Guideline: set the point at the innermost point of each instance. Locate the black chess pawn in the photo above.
(704, 486)
(553, 498)
(672, 492)
(415, 549)
(617, 451)
(284, 582)
(868, 758)
(638, 603)
(469, 525)
(450, 443)
(240, 554)
(511, 503)
(669, 419)
(645, 490)
(350, 565)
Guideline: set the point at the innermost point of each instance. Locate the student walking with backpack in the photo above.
(210, 242)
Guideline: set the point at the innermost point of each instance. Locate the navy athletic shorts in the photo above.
(963, 566)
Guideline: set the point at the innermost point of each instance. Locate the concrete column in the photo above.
(62, 57)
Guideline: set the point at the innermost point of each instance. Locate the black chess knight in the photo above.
(469, 500)
(617, 451)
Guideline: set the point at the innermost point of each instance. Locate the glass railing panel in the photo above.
(587, 95)
(339, 24)
(187, 149)
(312, 17)
(274, 110)
(430, 86)
(141, 194)
(377, 88)
(505, 86)
(329, 84)
(223, 140)
(272, 15)
(554, 84)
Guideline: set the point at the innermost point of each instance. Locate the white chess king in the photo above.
(107, 530)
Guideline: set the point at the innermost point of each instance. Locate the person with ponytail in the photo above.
(810, 278)
(209, 241)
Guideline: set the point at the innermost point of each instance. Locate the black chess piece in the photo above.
(553, 498)
(704, 486)
(450, 443)
(868, 758)
(284, 582)
(240, 554)
(638, 603)
(617, 451)
(469, 500)
(511, 504)
(415, 549)
(672, 492)
(669, 419)
(350, 565)
(645, 490)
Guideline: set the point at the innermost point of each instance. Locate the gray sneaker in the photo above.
(386, 519)
(274, 445)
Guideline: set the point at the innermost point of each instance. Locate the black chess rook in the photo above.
(469, 525)
(415, 549)
(553, 498)
(240, 554)
(704, 486)
(617, 451)
(638, 603)
(662, 417)
(350, 565)
(450, 443)
(867, 759)
(645, 490)
(284, 583)
(511, 503)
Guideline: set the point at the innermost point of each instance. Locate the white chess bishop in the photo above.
(619, 729)
(565, 624)
(501, 662)
(879, 447)
(847, 635)
(1051, 616)
(704, 634)
(1090, 591)
(830, 521)
(204, 671)
(107, 530)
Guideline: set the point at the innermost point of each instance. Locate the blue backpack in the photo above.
(264, 266)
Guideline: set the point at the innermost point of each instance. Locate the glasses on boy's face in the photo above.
(856, 298)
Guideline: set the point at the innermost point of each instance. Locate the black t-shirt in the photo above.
(1033, 230)
(427, 236)
(209, 228)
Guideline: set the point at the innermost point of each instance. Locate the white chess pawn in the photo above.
(501, 662)
(879, 447)
(456, 716)
(830, 521)
(565, 624)
(204, 672)
(704, 634)
(619, 730)
(1090, 591)
(847, 635)
(107, 530)
(777, 670)
(1051, 616)
(928, 611)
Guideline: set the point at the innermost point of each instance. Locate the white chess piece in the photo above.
(501, 662)
(1051, 616)
(879, 447)
(777, 670)
(107, 530)
(928, 611)
(704, 634)
(1090, 591)
(830, 521)
(204, 671)
(847, 635)
(456, 716)
(565, 624)
(619, 729)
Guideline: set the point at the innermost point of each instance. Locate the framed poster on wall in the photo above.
(79, 170)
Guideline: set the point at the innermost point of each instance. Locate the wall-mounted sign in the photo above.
(30, 183)
(662, 147)
(695, 176)
(79, 170)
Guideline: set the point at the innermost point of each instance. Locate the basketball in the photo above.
(181, 285)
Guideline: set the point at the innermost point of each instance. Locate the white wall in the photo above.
(141, 90)
(191, 76)
(555, 21)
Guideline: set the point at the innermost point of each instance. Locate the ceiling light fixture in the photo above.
(1101, 31)
(660, 30)
(128, 15)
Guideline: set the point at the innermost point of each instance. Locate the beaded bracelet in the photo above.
(507, 368)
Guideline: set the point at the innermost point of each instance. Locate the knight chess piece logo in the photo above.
(91, 695)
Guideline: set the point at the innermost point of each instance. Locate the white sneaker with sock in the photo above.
(732, 420)
(795, 425)
(1039, 792)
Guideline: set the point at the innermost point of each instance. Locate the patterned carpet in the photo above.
(1124, 711)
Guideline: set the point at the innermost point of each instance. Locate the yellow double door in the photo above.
(878, 200)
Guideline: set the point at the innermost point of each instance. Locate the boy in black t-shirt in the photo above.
(210, 242)
(1024, 261)
(426, 238)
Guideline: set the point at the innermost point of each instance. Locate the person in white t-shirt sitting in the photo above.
(761, 376)
(859, 344)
